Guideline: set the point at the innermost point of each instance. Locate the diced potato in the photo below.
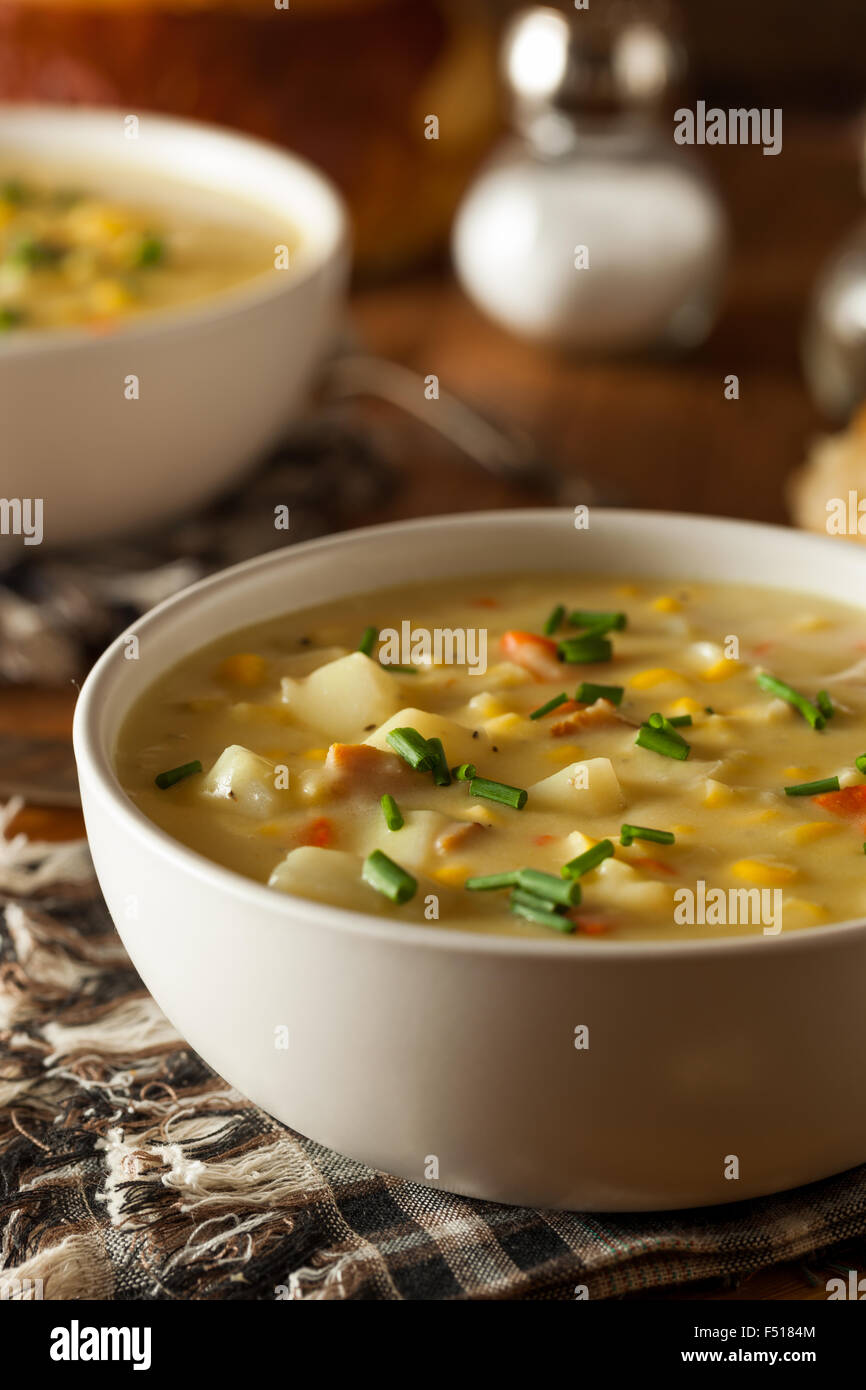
(328, 876)
(413, 846)
(301, 663)
(505, 675)
(246, 780)
(457, 740)
(343, 697)
(590, 787)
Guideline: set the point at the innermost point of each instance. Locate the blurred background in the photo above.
(698, 372)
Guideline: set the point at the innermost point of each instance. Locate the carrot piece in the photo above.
(487, 603)
(653, 865)
(318, 832)
(848, 802)
(359, 767)
(535, 654)
(544, 839)
(591, 926)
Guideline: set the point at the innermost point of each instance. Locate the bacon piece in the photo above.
(592, 716)
(358, 767)
(453, 836)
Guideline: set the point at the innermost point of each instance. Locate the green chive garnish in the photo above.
(670, 745)
(388, 878)
(368, 641)
(590, 859)
(556, 890)
(441, 774)
(412, 748)
(488, 882)
(9, 318)
(554, 620)
(400, 670)
(825, 704)
(150, 251)
(668, 726)
(537, 910)
(464, 773)
(584, 649)
(391, 812)
(825, 784)
(498, 791)
(588, 693)
(679, 721)
(860, 763)
(176, 774)
(550, 706)
(627, 833)
(708, 709)
(599, 622)
(793, 697)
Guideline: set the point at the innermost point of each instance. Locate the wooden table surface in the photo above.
(648, 434)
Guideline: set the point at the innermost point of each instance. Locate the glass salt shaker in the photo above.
(834, 338)
(591, 228)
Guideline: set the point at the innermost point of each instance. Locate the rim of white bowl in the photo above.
(224, 304)
(91, 756)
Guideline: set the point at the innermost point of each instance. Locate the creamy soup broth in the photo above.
(78, 249)
(294, 701)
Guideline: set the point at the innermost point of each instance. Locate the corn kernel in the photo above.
(628, 590)
(503, 723)
(244, 668)
(655, 675)
(759, 871)
(686, 705)
(814, 830)
(683, 829)
(717, 793)
(801, 773)
(803, 908)
(569, 752)
(810, 622)
(763, 817)
(722, 670)
(453, 874)
(316, 755)
(109, 297)
(486, 706)
(666, 603)
(484, 816)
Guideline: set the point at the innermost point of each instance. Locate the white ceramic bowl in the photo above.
(408, 1042)
(218, 380)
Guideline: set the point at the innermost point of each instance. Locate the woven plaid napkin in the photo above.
(129, 1170)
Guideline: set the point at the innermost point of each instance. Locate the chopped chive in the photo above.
(708, 709)
(599, 622)
(825, 784)
(536, 910)
(809, 711)
(13, 191)
(498, 791)
(388, 878)
(627, 833)
(864, 846)
(555, 890)
(659, 721)
(176, 774)
(825, 704)
(487, 882)
(9, 318)
(555, 619)
(150, 251)
(588, 693)
(549, 707)
(679, 721)
(590, 859)
(464, 773)
(441, 775)
(670, 745)
(588, 648)
(391, 812)
(860, 763)
(412, 748)
(401, 670)
(368, 641)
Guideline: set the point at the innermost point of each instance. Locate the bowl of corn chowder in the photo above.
(167, 290)
(542, 883)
